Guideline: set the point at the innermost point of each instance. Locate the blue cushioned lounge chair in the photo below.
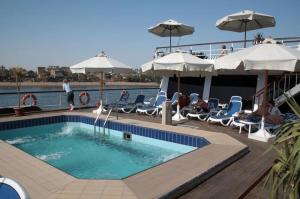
(131, 107)
(154, 109)
(225, 117)
(213, 108)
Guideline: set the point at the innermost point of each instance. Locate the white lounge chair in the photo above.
(155, 108)
(213, 104)
(225, 117)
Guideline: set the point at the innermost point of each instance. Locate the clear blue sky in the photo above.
(64, 32)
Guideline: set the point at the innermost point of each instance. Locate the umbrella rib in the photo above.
(259, 24)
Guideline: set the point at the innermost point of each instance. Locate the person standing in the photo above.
(70, 94)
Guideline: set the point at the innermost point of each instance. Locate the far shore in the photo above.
(75, 84)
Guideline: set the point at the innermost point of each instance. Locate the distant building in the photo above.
(57, 73)
(42, 73)
(66, 71)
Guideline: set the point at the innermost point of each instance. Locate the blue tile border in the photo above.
(169, 136)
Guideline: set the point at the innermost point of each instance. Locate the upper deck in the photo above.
(211, 50)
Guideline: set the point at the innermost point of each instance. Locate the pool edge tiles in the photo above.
(179, 138)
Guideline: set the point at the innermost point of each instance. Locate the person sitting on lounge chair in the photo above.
(201, 105)
(273, 114)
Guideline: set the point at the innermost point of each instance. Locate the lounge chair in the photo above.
(151, 100)
(175, 98)
(225, 117)
(162, 93)
(155, 108)
(122, 101)
(247, 123)
(11, 189)
(130, 107)
(193, 101)
(174, 102)
(213, 108)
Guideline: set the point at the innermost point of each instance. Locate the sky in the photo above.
(64, 32)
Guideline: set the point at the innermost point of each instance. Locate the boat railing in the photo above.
(212, 50)
(57, 99)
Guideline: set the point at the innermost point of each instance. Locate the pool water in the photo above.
(75, 149)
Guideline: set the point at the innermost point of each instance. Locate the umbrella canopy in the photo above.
(274, 57)
(171, 28)
(100, 63)
(184, 63)
(266, 56)
(244, 21)
(180, 63)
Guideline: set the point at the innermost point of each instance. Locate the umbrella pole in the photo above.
(170, 40)
(264, 104)
(178, 117)
(178, 82)
(245, 34)
(101, 87)
(262, 134)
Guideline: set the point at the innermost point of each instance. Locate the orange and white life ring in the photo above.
(27, 96)
(87, 98)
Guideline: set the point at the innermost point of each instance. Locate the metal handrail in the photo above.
(276, 90)
(285, 39)
(106, 119)
(77, 90)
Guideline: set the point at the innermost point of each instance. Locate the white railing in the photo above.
(212, 50)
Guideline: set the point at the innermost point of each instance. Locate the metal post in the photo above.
(274, 90)
(284, 86)
(209, 51)
(60, 99)
(289, 81)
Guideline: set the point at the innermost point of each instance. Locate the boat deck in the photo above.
(238, 180)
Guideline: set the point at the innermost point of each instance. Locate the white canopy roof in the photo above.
(185, 63)
(100, 63)
(267, 56)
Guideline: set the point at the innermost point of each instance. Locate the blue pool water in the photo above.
(73, 148)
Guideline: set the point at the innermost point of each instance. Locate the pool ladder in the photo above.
(104, 124)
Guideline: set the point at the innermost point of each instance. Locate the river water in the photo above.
(54, 98)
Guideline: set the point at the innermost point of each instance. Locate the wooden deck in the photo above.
(237, 180)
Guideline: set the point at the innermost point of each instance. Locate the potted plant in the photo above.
(18, 73)
(284, 176)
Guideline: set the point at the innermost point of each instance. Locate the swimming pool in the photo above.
(70, 144)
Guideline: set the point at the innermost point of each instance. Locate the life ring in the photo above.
(124, 94)
(29, 95)
(87, 97)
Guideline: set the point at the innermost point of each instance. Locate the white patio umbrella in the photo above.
(265, 57)
(182, 64)
(244, 21)
(171, 28)
(102, 64)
